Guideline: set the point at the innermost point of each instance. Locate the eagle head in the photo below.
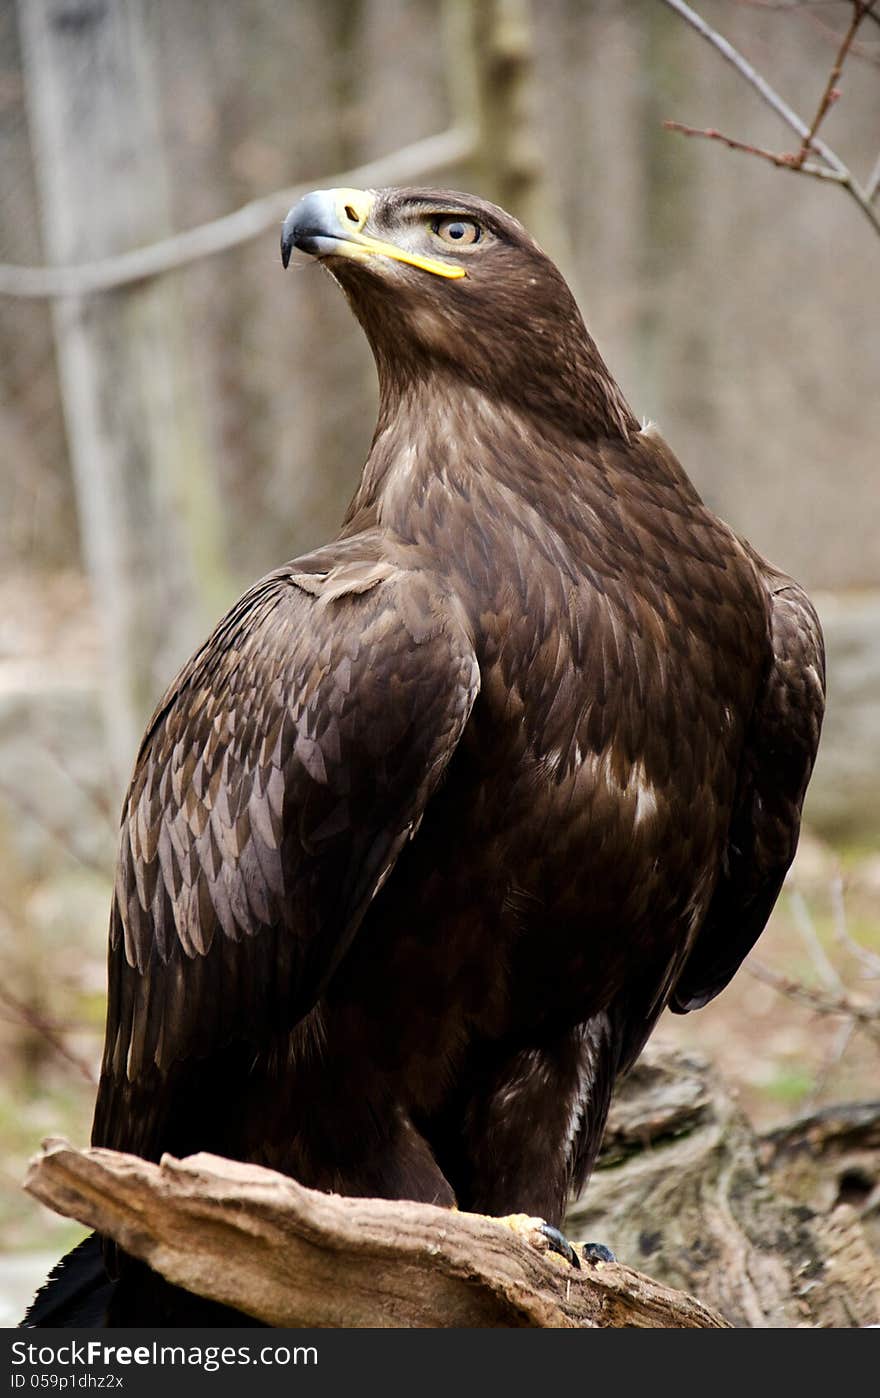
(444, 282)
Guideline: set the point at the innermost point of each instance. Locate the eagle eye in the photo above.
(459, 231)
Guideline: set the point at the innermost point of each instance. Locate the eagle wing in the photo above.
(277, 783)
(777, 761)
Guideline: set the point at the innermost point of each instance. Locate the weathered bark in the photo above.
(290, 1256)
(829, 1158)
(685, 1188)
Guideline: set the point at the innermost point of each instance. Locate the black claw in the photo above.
(596, 1252)
(559, 1243)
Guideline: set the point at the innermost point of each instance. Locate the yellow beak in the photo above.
(329, 223)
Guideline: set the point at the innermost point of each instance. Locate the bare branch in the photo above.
(427, 157)
(760, 84)
(783, 160)
(866, 1016)
(857, 50)
(101, 803)
(792, 6)
(831, 93)
(837, 171)
(807, 928)
(869, 960)
(830, 1060)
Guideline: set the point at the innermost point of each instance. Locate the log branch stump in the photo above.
(772, 1231)
(289, 1256)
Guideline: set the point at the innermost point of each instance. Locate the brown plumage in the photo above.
(442, 816)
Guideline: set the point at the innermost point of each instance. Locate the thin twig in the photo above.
(862, 51)
(52, 1033)
(872, 188)
(759, 83)
(807, 928)
(57, 832)
(829, 1062)
(844, 176)
(831, 93)
(866, 1016)
(868, 960)
(783, 160)
(423, 158)
(101, 803)
(793, 6)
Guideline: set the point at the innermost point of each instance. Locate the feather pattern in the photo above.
(246, 867)
(424, 838)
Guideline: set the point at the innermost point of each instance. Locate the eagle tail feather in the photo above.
(77, 1291)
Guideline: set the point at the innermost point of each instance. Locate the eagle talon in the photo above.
(559, 1243)
(539, 1234)
(596, 1252)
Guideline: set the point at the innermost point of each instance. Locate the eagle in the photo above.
(444, 814)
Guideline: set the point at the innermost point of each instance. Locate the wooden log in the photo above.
(289, 1256)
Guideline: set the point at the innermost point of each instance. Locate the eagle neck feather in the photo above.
(458, 435)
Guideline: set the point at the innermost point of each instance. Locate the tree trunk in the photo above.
(491, 63)
(146, 506)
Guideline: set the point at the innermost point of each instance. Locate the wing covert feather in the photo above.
(275, 787)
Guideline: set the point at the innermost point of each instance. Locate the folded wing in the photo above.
(777, 762)
(275, 787)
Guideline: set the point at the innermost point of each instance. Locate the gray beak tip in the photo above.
(287, 239)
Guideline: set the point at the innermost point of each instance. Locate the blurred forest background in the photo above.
(166, 442)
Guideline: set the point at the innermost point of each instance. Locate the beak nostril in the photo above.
(351, 213)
